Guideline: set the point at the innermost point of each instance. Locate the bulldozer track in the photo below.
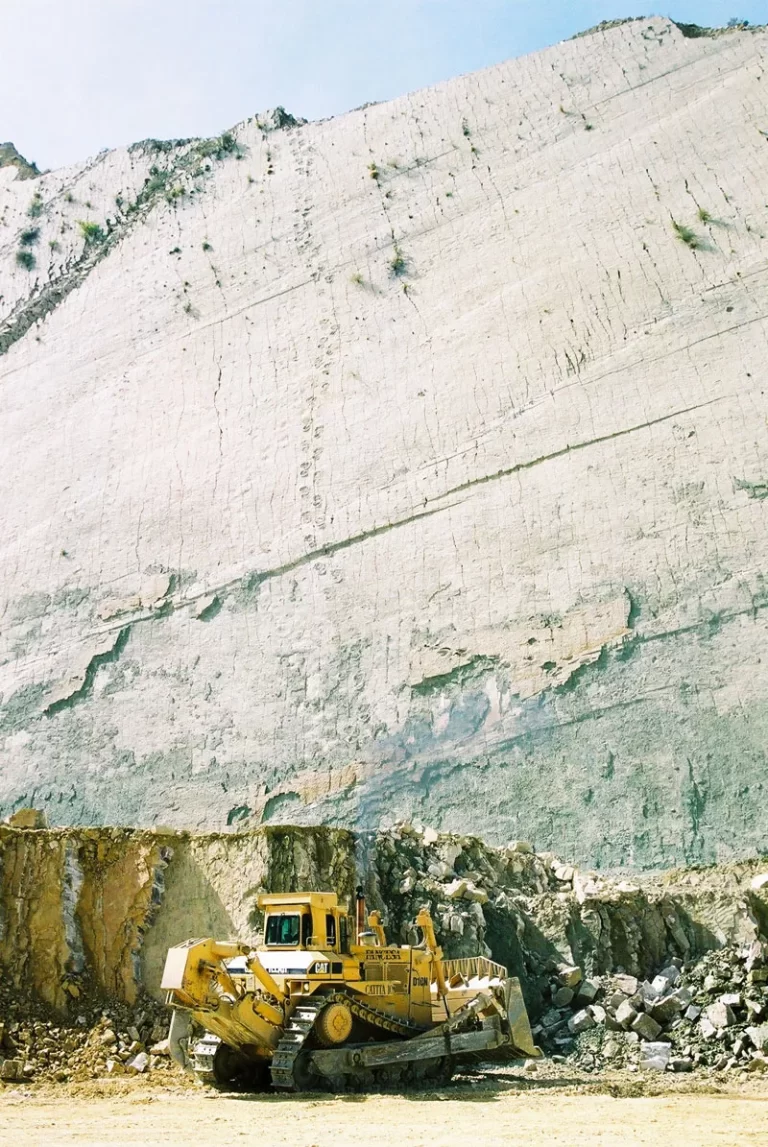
(297, 1029)
(202, 1059)
(285, 1061)
(374, 1017)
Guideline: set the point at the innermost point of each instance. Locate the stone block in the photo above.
(11, 1070)
(759, 1036)
(626, 984)
(626, 1014)
(720, 1015)
(552, 1020)
(655, 1056)
(456, 889)
(562, 997)
(615, 1000)
(646, 1026)
(457, 924)
(649, 993)
(580, 1022)
(478, 895)
(666, 1009)
(661, 984)
(569, 977)
(587, 992)
(138, 1064)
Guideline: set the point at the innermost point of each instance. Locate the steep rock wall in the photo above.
(91, 913)
(409, 463)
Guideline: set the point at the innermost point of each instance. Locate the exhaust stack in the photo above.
(360, 922)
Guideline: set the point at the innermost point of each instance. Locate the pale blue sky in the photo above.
(79, 75)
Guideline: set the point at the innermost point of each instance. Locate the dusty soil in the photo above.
(484, 1111)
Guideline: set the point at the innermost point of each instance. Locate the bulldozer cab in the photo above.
(307, 921)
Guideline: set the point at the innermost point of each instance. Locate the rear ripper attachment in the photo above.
(323, 1002)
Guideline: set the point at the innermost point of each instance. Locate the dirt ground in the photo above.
(484, 1111)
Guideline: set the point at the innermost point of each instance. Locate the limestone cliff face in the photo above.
(412, 462)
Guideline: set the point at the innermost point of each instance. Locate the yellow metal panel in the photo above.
(173, 973)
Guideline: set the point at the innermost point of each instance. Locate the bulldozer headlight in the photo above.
(307, 985)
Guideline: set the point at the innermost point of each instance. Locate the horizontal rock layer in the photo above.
(408, 463)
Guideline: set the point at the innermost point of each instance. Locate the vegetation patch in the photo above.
(397, 264)
(219, 147)
(695, 31)
(25, 259)
(156, 181)
(686, 235)
(91, 232)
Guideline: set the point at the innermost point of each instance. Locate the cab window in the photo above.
(283, 929)
(330, 930)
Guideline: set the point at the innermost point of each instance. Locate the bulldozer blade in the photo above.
(517, 1019)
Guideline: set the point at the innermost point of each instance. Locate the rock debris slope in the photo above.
(409, 463)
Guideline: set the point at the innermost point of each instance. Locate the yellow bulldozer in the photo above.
(324, 1003)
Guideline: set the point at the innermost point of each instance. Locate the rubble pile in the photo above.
(36, 1045)
(712, 1012)
(483, 900)
(660, 971)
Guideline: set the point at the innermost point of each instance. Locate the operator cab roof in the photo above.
(322, 900)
